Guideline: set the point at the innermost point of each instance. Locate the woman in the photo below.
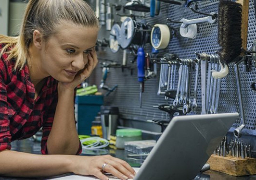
(39, 71)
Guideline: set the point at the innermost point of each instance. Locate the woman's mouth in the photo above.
(71, 73)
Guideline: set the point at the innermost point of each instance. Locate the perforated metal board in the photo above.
(126, 97)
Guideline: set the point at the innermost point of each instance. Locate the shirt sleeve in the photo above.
(47, 126)
(5, 135)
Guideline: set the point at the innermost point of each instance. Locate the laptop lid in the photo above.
(185, 146)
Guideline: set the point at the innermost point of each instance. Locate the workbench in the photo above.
(30, 146)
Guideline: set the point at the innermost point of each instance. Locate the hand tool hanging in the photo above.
(244, 5)
(238, 130)
(105, 71)
(136, 5)
(109, 18)
(188, 27)
(141, 70)
(102, 17)
(154, 7)
(177, 2)
(180, 2)
(229, 34)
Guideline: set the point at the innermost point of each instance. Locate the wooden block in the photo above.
(232, 165)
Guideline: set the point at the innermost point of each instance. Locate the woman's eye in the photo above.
(70, 51)
(87, 51)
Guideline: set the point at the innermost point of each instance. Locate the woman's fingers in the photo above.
(100, 175)
(118, 170)
(94, 57)
(92, 62)
(117, 167)
(112, 170)
(99, 165)
(126, 165)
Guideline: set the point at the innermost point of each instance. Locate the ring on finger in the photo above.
(103, 166)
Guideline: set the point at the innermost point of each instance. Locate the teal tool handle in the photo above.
(152, 7)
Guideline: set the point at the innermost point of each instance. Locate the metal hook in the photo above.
(206, 14)
(168, 19)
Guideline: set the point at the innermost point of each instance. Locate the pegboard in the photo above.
(126, 96)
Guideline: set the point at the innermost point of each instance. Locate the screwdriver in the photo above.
(141, 70)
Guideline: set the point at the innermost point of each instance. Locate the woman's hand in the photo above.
(98, 165)
(84, 73)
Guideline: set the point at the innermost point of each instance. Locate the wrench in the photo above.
(218, 89)
(174, 74)
(185, 83)
(162, 79)
(187, 103)
(208, 84)
(204, 61)
(212, 109)
(237, 131)
(194, 103)
(182, 86)
(168, 80)
(176, 100)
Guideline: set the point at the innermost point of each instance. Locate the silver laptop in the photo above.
(185, 146)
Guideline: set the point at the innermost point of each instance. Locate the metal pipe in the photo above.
(237, 131)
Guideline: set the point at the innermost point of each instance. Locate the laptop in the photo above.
(185, 146)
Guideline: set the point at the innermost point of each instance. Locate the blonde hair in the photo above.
(45, 15)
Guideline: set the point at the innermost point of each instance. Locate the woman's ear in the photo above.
(37, 39)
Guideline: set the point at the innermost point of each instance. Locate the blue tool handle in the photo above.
(152, 7)
(154, 51)
(141, 64)
(105, 74)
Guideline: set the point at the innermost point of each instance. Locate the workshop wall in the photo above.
(126, 96)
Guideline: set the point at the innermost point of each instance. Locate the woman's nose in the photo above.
(80, 62)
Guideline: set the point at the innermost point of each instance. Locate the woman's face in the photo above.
(66, 52)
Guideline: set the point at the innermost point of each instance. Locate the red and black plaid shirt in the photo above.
(20, 115)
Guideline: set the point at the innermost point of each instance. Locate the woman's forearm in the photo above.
(63, 138)
(30, 165)
(19, 164)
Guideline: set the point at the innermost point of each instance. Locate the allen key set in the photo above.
(234, 148)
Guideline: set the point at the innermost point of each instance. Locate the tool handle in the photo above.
(158, 5)
(141, 64)
(147, 62)
(152, 8)
(105, 74)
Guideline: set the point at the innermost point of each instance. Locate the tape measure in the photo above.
(160, 36)
(113, 38)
